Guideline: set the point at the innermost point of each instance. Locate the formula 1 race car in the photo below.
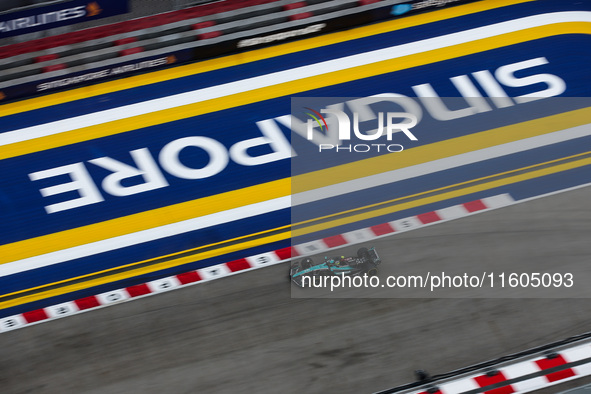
(366, 262)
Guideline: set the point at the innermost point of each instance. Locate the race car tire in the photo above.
(297, 281)
(306, 263)
(371, 270)
(363, 253)
(294, 269)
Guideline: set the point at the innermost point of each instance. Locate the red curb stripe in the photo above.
(381, 229)
(474, 206)
(34, 316)
(286, 253)
(335, 240)
(188, 277)
(429, 217)
(238, 265)
(138, 290)
(486, 380)
(555, 362)
(87, 303)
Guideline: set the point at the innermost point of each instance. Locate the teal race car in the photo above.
(366, 262)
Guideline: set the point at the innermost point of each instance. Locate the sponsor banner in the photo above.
(116, 71)
(277, 37)
(226, 47)
(340, 22)
(96, 75)
(60, 14)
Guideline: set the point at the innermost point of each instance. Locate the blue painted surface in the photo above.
(22, 203)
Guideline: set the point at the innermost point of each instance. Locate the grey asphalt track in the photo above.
(245, 334)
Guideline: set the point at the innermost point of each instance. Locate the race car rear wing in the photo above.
(373, 254)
